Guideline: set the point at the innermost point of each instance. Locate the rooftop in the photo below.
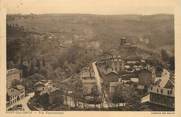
(20, 87)
(112, 77)
(13, 92)
(13, 71)
(165, 79)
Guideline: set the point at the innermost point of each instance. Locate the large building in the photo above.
(43, 86)
(116, 63)
(110, 63)
(88, 79)
(12, 75)
(163, 93)
(15, 91)
(162, 96)
(15, 94)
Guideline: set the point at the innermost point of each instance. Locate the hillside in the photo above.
(153, 31)
(58, 46)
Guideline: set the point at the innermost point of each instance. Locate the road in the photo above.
(23, 102)
(99, 85)
(97, 76)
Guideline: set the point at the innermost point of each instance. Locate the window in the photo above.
(161, 90)
(157, 90)
(168, 92)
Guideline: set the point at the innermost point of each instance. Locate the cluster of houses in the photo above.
(142, 77)
(47, 87)
(15, 90)
(141, 81)
(43, 86)
(128, 69)
(135, 72)
(160, 89)
(115, 63)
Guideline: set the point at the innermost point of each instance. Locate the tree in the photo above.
(134, 103)
(7, 97)
(56, 97)
(77, 87)
(38, 64)
(10, 65)
(44, 100)
(24, 69)
(44, 62)
(15, 83)
(172, 63)
(118, 96)
(124, 94)
(96, 95)
(164, 55)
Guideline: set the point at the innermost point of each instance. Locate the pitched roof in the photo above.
(20, 87)
(165, 78)
(135, 80)
(169, 84)
(129, 75)
(13, 92)
(38, 83)
(112, 77)
(12, 71)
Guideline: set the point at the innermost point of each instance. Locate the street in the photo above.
(23, 102)
(99, 85)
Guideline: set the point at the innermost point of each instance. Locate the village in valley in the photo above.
(126, 77)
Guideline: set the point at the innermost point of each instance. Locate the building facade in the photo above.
(163, 92)
(162, 96)
(12, 75)
(88, 79)
(15, 94)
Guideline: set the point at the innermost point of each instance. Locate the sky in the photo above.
(90, 6)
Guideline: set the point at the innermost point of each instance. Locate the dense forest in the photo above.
(26, 52)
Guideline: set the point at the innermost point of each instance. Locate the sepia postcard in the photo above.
(90, 58)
